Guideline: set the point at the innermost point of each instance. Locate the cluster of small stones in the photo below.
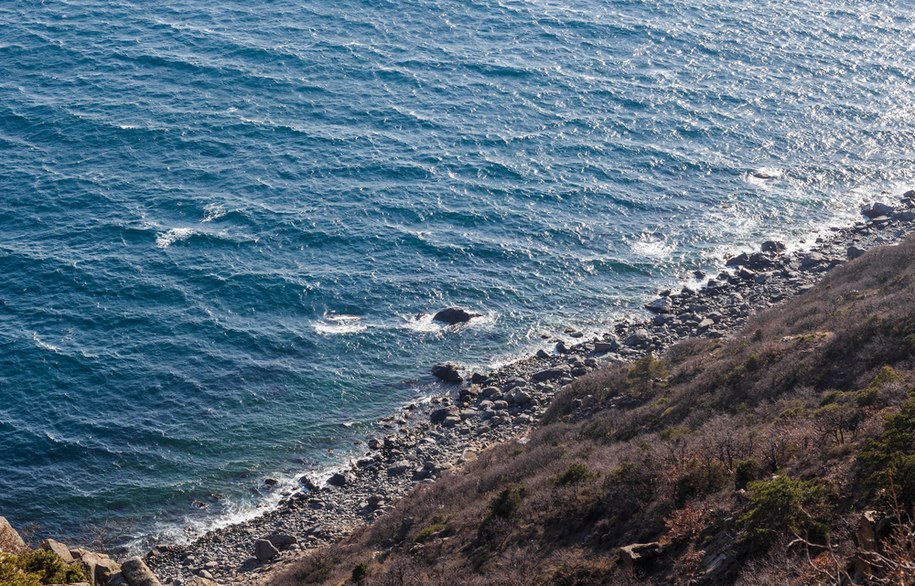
(425, 441)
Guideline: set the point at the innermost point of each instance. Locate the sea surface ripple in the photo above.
(224, 225)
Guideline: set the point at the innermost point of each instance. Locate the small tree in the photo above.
(783, 505)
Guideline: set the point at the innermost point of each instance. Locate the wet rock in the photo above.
(137, 573)
(337, 479)
(264, 551)
(875, 210)
(773, 246)
(454, 315)
(447, 372)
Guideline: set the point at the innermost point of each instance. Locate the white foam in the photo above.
(339, 324)
(764, 176)
(166, 239)
(212, 212)
(650, 246)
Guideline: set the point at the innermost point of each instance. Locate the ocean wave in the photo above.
(339, 324)
(169, 237)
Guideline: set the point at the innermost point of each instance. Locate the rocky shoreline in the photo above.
(423, 442)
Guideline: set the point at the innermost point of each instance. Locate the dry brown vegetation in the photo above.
(749, 459)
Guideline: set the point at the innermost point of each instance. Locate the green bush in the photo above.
(890, 457)
(700, 479)
(746, 472)
(36, 568)
(576, 472)
(502, 509)
(783, 505)
(434, 528)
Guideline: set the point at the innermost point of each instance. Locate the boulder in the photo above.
(10, 541)
(638, 339)
(659, 305)
(549, 374)
(454, 315)
(137, 573)
(264, 551)
(282, 541)
(875, 210)
(200, 581)
(637, 553)
(447, 372)
(853, 252)
(59, 549)
(758, 261)
(604, 347)
(439, 415)
(773, 246)
(337, 479)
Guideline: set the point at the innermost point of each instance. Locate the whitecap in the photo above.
(166, 239)
(764, 175)
(339, 324)
(648, 245)
(212, 212)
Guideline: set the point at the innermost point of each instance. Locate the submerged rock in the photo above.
(454, 315)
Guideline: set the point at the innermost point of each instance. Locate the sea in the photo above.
(225, 225)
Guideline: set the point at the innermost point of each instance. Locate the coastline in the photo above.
(425, 441)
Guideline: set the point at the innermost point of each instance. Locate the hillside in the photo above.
(781, 453)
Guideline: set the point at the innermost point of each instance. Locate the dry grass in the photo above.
(798, 392)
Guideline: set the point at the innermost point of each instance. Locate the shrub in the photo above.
(700, 479)
(745, 472)
(436, 526)
(36, 568)
(779, 505)
(360, 572)
(502, 509)
(576, 472)
(890, 457)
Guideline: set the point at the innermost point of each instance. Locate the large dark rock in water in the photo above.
(447, 372)
(454, 315)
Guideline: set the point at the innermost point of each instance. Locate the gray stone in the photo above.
(282, 541)
(10, 541)
(264, 551)
(853, 252)
(201, 581)
(549, 374)
(604, 347)
(61, 550)
(773, 246)
(660, 305)
(876, 210)
(137, 573)
(439, 415)
(337, 479)
(637, 553)
(447, 372)
(638, 339)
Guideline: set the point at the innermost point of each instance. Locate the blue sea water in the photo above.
(224, 225)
